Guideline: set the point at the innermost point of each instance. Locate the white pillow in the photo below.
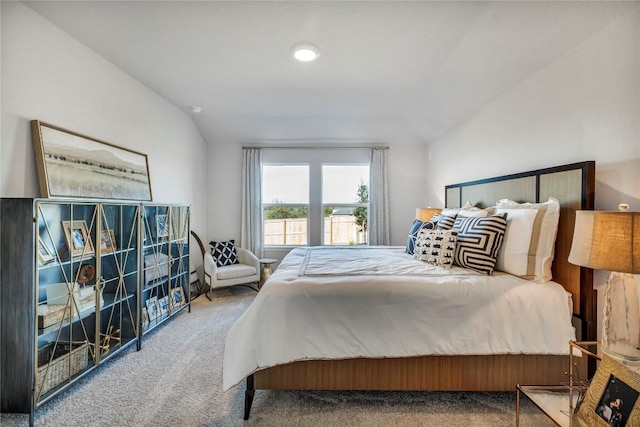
(517, 256)
(450, 212)
(467, 211)
(547, 220)
(475, 213)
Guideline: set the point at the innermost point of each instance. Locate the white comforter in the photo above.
(334, 303)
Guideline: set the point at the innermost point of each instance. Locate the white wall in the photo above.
(406, 182)
(584, 105)
(50, 76)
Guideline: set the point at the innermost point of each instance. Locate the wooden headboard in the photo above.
(573, 185)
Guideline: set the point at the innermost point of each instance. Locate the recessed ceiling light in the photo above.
(305, 52)
(195, 109)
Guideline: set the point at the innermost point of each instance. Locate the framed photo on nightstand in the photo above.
(612, 398)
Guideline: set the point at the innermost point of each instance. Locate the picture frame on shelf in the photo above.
(180, 223)
(612, 397)
(163, 304)
(162, 225)
(152, 309)
(177, 297)
(77, 238)
(107, 241)
(45, 256)
(145, 319)
(74, 165)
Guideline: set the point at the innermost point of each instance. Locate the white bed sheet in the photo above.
(336, 303)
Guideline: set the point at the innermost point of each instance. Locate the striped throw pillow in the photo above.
(444, 222)
(479, 241)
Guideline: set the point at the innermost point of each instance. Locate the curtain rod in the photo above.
(316, 147)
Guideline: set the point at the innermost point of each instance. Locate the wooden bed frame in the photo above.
(574, 186)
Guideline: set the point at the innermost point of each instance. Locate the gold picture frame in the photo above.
(78, 239)
(74, 165)
(44, 254)
(612, 397)
(177, 297)
(107, 241)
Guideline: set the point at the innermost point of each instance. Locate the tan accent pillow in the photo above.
(543, 235)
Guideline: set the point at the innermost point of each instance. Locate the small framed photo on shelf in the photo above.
(162, 226)
(44, 254)
(612, 397)
(78, 238)
(177, 297)
(180, 222)
(107, 241)
(152, 309)
(145, 319)
(163, 303)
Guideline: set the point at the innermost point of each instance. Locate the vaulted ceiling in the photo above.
(390, 71)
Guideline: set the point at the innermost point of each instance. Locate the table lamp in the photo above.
(425, 214)
(611, 241)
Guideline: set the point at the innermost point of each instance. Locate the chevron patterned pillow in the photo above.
(479, 241)
(224, 253)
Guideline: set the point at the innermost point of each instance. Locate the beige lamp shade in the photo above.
(425, 214)
(607, 241)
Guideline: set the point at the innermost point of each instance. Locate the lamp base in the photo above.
(621, 319)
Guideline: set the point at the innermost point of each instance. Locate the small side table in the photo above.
(266, 270)
(558, 402)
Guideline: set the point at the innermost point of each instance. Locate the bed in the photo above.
(289, 340)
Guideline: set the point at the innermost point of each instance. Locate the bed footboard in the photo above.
(426, 373)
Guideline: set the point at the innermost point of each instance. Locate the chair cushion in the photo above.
(224, 253)
(235, 271)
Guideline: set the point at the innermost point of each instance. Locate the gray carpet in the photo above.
(176, 380)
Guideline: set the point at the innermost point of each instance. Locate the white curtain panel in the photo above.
(251, 231)
(378, 198)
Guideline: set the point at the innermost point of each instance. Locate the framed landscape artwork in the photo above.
(74, 165)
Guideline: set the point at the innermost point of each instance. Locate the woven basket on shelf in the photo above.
(55, 368)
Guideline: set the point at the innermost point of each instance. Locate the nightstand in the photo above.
(558, 402)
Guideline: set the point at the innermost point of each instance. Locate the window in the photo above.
(345, 203)
(307, 192)
(285, 203)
